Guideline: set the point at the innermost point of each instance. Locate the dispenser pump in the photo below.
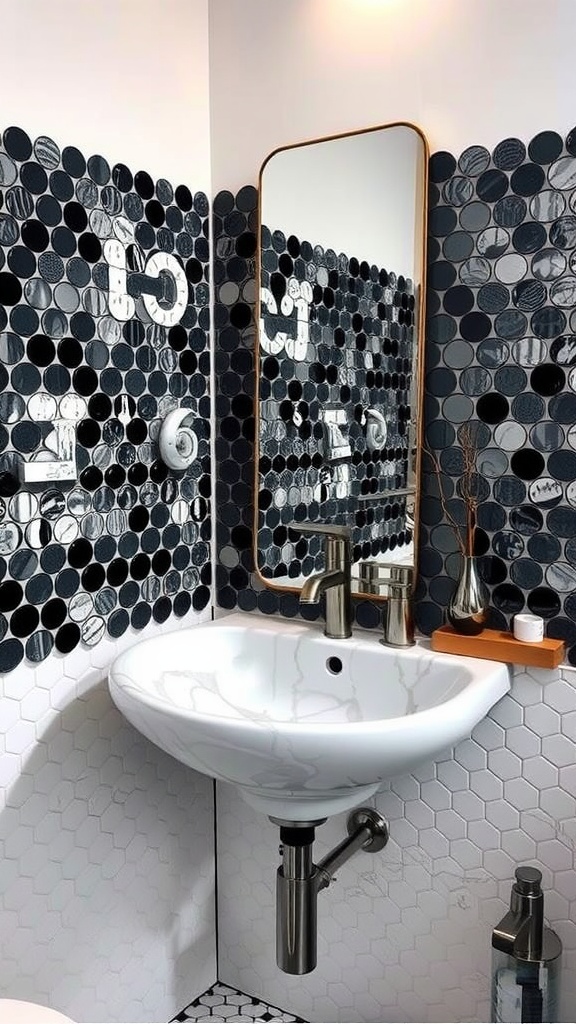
(526, 957)
(520, 932)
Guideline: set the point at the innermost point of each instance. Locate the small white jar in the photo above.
(528, 628)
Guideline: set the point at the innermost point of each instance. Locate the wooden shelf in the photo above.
(496, 645)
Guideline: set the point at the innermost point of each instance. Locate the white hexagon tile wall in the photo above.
(107, 881)
(106, 843)
(405, 934)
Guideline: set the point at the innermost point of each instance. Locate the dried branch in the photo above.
(467, 488)
(443, 499)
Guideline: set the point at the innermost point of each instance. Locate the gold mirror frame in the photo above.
(421, 203)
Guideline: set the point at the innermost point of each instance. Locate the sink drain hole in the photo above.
(334, 665)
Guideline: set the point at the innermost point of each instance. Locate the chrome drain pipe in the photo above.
(296, 890)
(299, 881)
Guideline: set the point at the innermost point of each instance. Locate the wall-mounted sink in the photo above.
(304, 726)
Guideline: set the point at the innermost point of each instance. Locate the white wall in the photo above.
(466, 71)
(124, 78)
(106, 843)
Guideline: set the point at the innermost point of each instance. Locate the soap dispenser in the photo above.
(525, 957)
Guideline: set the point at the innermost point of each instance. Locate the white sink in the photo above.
(304, 726)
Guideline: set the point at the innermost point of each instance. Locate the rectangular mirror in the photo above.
(341, 266)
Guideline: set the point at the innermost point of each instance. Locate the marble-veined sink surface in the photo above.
(305, 726)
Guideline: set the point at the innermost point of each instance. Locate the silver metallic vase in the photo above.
(468, 608)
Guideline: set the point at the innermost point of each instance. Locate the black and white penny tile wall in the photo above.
(501, 352)
(104, 319)
(235, 295)
(104, 313)
(234, 240)
(337, 337)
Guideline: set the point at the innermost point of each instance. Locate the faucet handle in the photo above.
(402, 575)
(375, 574)
(341, 532)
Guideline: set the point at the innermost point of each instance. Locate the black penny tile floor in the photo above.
(222, 1003)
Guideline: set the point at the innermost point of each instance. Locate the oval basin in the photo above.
(303, 725)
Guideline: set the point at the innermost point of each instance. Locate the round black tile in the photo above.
(442, 166)
(34, 178)
(475, 326)
(118, 623)
(547, 379)
(89, 247)
(23, 320)
(492, 185)
(144, 184)
(11, 595)
(24, 621)
(544, 602)
(562, 408)
(10, 289)
(526, 573)
(545, 147)
(56, 380)
(529, 237)
(67, 638)
(63, 241)
(73, 161)
(122, 177)
(548, 322)
(22, 263)
(527, 464)
(140, 616)
(17, 143)
(53, 558)
(527, 179)
(562, 465)
(442, 221)
(11, 654)
(39, 589)
(80, 553)
(458, 300)
(508, 598)
(98, 169)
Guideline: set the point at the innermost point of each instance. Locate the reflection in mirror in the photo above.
(341, 267)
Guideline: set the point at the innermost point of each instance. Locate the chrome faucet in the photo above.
(396, 581)
(333, 581)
